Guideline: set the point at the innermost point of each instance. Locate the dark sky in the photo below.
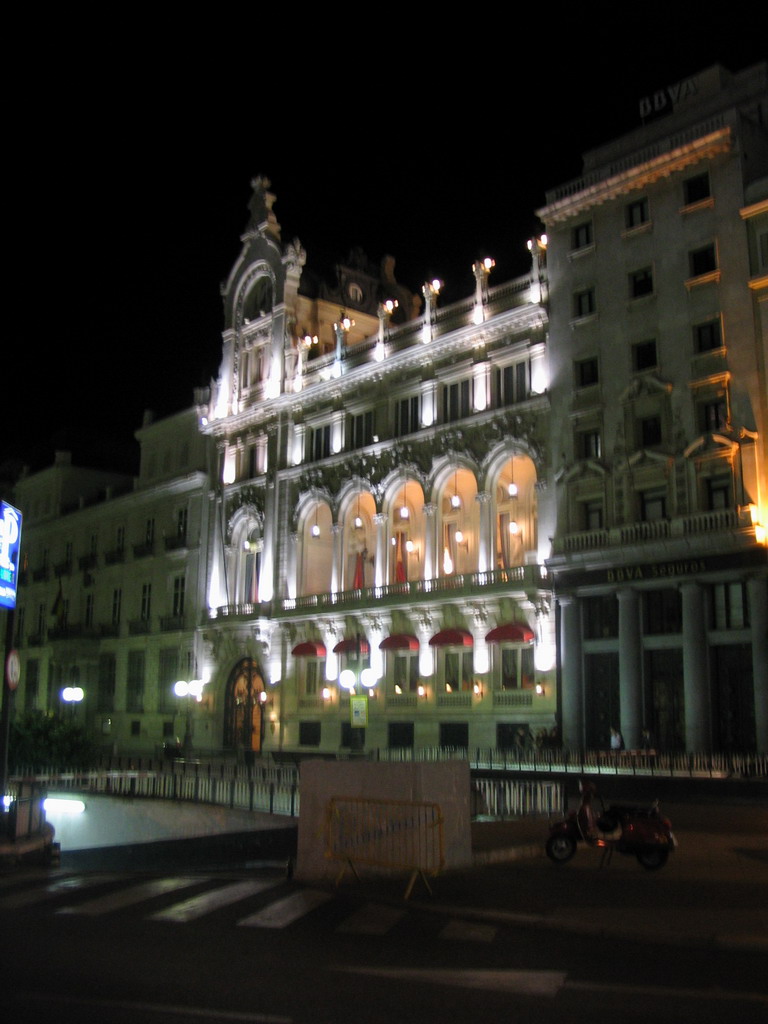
(133, 156)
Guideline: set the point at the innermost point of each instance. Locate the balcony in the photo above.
(719, 521)
(143, 550)
(114, 557)
(519, 580)
(86, 562)
(63, 569)
(176, 543)
(172, 623)
(139, 627)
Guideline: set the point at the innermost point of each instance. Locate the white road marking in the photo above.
(130, 896)
(531, 983)
(283, 912)
(29, 897)
(206, 902)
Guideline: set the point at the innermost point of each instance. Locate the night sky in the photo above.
(134, 152)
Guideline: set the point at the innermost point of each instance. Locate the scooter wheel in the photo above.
(560, 848)
(652, 860)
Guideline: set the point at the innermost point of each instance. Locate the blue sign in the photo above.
(10, 549)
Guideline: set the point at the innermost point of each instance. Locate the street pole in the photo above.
(5, 712)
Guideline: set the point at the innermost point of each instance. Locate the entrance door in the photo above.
(243, 717)
(734, 699)
(601, 698)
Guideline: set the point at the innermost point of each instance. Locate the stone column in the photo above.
(698, 733)
(630, 668)
(337, 567)
(485, 541)
(380, 569)
(430, 569)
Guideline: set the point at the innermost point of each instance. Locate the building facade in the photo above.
(525, 517)
(658, 262)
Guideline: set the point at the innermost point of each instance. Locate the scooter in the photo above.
(638, 831)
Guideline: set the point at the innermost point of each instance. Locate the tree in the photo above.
(46, 740)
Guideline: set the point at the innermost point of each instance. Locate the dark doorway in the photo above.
(400, 734)
(733, 699)
(601, 699)
(243, 714)
(454, 735)
(665, 698)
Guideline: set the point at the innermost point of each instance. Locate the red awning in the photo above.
(512, 632)
(399, 642)
(350, 646)
(451, 638)
(309, 649)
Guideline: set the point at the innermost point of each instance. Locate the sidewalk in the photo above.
(722, 853)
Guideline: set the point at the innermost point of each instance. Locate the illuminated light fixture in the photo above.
(512, 490)
(393, 542)
(409, 546)
(455, 499)
(448, 688)
(539, 689)
(326, 693)
(398, 688)
(514, 527)
(404, 511)
(72, 694)
(421, 691)
(315, 525)
(477, 690)
(459, 537)
(309, 340)
(358, 517)
(62, 805)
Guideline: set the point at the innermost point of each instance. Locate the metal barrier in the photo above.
(512, 798)
(391, 834)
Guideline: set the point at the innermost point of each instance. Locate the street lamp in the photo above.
(189, 690)
(72, 695)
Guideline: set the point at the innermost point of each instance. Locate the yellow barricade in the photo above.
(392, 834)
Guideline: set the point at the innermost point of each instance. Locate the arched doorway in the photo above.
(243, 717)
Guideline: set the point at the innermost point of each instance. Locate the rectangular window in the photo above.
(458, 671)
(134, 692)
(637, 213)
(762, 250)
(117, 604)
(589, 444)
(696, 188)
(179, 587)
(361, 430)
(32, 685)
(120, 538)
(649, 431)
(592, 515)
(586, 372)
(644, 356)
(713, 415)
(662, 611)
(515, 667)
(730, 609)
(584, 303)
(309, 734)
(88, 611)
(653, 505)
(405, 673)
(600, 617)
(513, 382)
(105, 689)
(702, 261)
(719, 492)
(146, 601)
(641, 283)
(581, 235)
(707, 336)
(320, 441)
(311, 677)
(168, 675)
(457, 401)
(407, 415)
(149, 533)
(182, 516)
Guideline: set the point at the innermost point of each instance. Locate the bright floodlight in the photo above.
(72, 694)
(347, 679)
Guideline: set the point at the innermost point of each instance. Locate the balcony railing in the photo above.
(717, 521)
(521, 577)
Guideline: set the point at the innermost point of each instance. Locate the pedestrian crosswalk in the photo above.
(267, 901)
